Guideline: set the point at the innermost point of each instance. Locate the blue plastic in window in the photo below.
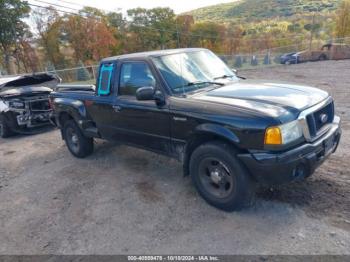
(104, 85)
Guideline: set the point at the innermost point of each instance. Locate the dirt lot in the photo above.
(124, 200)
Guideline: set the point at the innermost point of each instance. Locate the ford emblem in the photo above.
(323, 118)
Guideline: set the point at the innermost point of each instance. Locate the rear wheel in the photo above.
(5, 130)
(78, 144)
(220, 178)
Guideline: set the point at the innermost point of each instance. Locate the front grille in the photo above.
(318, 120)
(40, 105)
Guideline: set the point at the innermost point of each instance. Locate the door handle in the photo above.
(117, 108)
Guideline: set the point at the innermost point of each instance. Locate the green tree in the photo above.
(144, 35)
(116, 20)
(153, 28)
(49, 27)
(12, 27)
(209, 35)
(164, 19)
(119, 24)
(93, 12)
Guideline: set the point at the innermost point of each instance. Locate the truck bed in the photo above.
(75, 92)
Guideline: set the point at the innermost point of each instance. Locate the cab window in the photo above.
(104, 86)
(134, 75)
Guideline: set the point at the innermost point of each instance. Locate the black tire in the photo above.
(322, 58)
(220, 178)
(5, 129)
(78, 144)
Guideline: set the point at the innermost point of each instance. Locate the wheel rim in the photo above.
(215, 178)
(72, 140)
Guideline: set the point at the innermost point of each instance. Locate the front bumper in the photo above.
(33, 119)
(279, 168)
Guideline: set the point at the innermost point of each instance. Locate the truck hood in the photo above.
(26, 84)
(25, 91)
(273, 99)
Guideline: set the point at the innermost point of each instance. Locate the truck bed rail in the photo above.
(67, 87)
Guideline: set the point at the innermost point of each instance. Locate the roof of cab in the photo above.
(152, 54)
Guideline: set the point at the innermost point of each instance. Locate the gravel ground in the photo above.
(129, 201)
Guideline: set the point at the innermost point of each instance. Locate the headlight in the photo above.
(16, 104)
(283, 134)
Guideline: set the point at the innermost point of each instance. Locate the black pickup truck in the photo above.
(231, 134)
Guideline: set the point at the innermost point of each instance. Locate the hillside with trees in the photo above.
(277, 22)
(59, 39)
(257, 10)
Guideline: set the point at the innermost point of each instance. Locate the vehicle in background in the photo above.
(289, 58)
(331, 51)
(230, 134)
(24, 103)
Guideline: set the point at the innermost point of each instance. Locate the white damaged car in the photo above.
(24, 103)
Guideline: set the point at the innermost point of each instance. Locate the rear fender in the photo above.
(74, 108)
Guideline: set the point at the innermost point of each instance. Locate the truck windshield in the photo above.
(189, 71)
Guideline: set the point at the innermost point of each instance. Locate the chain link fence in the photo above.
(272, 57)
(77, 75)
(262, 58)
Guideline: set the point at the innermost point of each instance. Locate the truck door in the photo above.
(100, 108)
(142, 123)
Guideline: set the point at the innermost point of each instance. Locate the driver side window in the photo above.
(134, 75)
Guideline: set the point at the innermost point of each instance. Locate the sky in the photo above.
(179, 6)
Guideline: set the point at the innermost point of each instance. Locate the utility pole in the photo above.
(313, 26)
(16, 49)
(177, 34)
(312, 31)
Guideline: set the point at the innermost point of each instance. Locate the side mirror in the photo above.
(145, 93)
(234, 70)
(159, 98)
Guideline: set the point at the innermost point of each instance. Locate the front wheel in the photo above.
(220, 178)
(78, 144)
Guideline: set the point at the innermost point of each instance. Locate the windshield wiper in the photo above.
(223, 77)
(228, 76)
(198, 83)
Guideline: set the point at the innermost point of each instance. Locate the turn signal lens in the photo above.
(273, 136)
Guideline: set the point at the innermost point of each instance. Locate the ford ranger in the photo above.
(230, 133)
